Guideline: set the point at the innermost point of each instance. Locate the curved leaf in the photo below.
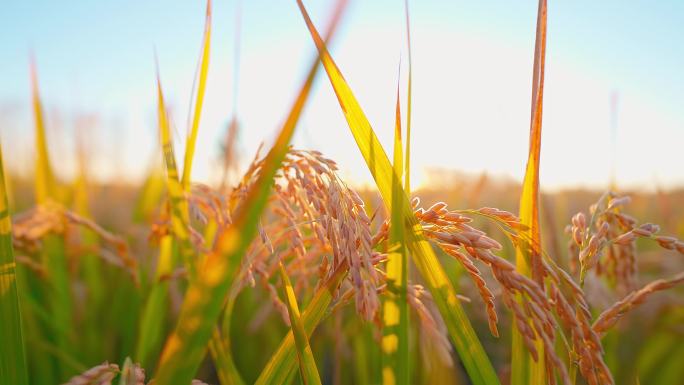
(461, 332)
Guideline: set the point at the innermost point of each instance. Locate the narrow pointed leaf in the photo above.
(153, 316)
(178, 204)
(307, 364)
(394, 345)
(44, 179)
(13, 369)
(470, 349)
(199, 100)
(283, 362)
(524, 370)
(226, 370)
(53, 253)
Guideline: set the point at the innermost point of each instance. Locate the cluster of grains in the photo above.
(314, 223)
(32, 226)
(574, 314)
(321, 210)
(102, 374)
(105, 373)
(540, 310)
(606, 243)
(611, 315)
(431, 324)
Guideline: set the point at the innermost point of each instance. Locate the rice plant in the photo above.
(291, 274)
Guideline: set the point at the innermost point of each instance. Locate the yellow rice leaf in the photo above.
(204, 68)
(469, 347)
(528, 257)
(44, 178)
(395, 349)
(180, 216)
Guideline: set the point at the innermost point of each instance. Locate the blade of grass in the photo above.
(90, 263)
(395, 349)
(205, 296)
(180, 217)
(52, 253)
(460, 330)
(35, 322)
(13, 369)
(44, 179)
(154, 312)
(219, 347)
(307, 364)
(226, 370)
(524, 370)
(204, 68)
(283, 362)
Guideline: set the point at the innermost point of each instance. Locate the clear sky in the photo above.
(471, 70)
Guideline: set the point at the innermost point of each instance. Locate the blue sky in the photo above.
(472, 80)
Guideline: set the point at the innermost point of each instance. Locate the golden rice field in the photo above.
(289, 274)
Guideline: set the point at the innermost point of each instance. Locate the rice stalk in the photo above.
(470, 350)
(204, 299)
(152, 321)
(525, 369)
(395, 342)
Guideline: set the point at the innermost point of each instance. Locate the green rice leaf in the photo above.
(13, 369)
(53, 255)
(284, 361)
(153, 317)
(307, 364)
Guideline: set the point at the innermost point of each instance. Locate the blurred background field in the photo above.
(650, 338)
